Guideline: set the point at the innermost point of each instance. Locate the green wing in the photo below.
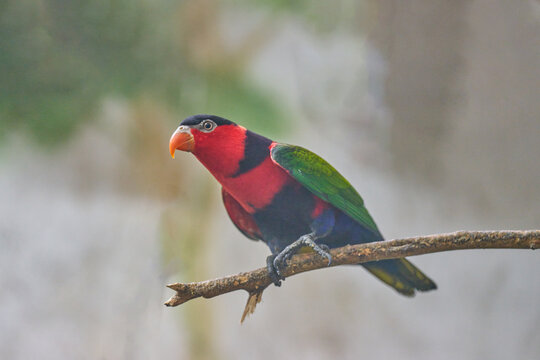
(319, 177)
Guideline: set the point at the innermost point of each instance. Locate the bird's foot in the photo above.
(272, 271)
(326, 249)
(303, 241)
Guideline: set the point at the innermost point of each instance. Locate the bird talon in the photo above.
(280, 259)
(277, 264)
(329, 257)
(324, 247)
(273, 270)
(323, 250)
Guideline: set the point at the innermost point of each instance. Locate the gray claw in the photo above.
(275, 262)
(273, 271)
(322, 250)
(279, 261)
(324, 247)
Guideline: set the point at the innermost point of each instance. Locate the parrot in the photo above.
(288, 197)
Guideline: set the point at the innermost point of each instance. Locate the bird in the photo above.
(288, 197)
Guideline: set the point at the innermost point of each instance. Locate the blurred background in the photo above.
(430, 108)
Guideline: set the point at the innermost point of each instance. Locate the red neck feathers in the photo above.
(221, 150)
(240, 161)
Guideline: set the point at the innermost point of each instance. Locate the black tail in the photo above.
(401, 275)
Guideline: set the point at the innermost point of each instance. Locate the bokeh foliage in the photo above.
(321, 16)
(59, 58)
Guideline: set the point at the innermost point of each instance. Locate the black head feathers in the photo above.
(196, 119)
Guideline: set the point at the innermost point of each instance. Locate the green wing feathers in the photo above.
(323, 180)
(319, 177)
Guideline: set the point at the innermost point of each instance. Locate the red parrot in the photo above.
(288, 197)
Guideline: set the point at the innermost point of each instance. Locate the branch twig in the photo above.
(254, 282)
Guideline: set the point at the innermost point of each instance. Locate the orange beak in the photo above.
(181, 139)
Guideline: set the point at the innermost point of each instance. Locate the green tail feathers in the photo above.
(401, 275)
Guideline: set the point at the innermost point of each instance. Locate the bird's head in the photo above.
(200, 132)
(217, 142)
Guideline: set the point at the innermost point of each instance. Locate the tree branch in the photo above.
(254, 282)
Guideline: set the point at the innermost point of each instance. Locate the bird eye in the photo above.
(208, 125)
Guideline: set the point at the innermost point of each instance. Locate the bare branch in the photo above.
(254, 282)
